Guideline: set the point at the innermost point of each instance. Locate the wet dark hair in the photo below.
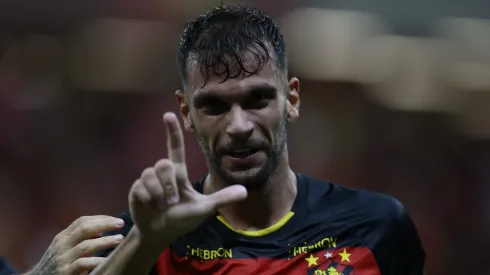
(219, 39)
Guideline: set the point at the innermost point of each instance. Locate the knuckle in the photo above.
(82, 220)
(148, 172)
(84, 248)
(138, 184)
(85, 228)
(164, 165)
(139, 191)
(138, 187)
(57, 238)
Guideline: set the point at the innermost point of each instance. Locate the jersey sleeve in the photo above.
(400, 251)
(128, 224)
(6, 268)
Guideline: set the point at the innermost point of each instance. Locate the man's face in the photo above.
(240, 124)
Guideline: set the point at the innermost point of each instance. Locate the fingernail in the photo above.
(118, 237)
(119, 222)
(172, 200)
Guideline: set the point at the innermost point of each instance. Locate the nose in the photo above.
(239, 126)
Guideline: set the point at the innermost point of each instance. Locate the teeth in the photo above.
(241, 151)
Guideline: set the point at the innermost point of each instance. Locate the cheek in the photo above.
(278, 124)
(208, 133)
(270, 122)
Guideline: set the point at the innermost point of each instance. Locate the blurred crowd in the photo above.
(81, 108)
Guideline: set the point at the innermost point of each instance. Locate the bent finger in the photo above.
(165, 171)
(154, 188)
(139, 194)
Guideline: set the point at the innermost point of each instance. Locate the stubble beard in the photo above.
(254, 178)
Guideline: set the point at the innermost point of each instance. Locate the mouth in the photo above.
(242, 153)
(244, 158)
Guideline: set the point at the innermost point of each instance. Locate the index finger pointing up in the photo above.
(175, 138)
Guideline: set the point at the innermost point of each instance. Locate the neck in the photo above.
(263, 207)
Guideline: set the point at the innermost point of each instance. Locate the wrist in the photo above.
(150, 245)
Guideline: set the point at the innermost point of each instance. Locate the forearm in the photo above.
(131, 257)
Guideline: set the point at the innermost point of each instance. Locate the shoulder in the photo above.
(377, 220)
(391, 235)
(377, 212)
(383, 224)
(385, 212)
(354, 207)
(381, 207)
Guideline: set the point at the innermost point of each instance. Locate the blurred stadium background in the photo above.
(394, 99)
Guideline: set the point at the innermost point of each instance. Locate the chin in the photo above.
(254, 178)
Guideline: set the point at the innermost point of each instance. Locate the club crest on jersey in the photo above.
(331, 268)
(330, 263)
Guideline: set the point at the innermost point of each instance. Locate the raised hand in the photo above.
(163, 202)
(71, 252)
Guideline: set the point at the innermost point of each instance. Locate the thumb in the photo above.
(231, 194)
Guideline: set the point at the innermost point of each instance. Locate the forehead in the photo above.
(269, 75)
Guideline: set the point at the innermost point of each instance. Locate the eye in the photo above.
(215, 107)
(209, 104)
(259, 98)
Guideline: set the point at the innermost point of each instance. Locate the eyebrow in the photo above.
(201, 97)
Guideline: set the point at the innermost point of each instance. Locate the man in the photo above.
(251, 214)
(71, 252)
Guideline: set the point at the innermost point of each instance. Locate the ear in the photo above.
(185, 111)
(293, 100)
